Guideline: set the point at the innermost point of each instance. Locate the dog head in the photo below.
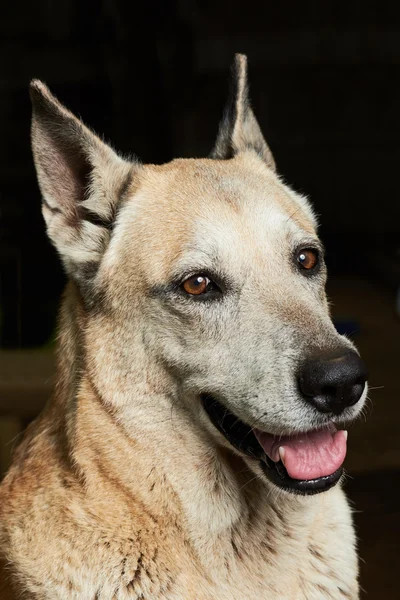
(209, 271)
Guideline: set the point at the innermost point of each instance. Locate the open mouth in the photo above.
(305, 463)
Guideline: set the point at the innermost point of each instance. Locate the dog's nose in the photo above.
(333, 383)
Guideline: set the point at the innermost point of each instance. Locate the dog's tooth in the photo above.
(282, 454)
(346, 433)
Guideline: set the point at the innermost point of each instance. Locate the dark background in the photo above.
(152, 78)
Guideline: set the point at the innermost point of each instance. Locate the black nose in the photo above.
(334, 382)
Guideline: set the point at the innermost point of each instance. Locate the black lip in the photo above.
(243, 439)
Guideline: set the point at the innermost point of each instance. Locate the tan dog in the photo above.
(199, 382)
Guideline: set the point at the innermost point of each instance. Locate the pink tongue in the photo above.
(307, 455)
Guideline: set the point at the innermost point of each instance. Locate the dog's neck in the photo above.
(155, 454)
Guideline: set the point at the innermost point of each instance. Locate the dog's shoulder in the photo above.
(101, 545)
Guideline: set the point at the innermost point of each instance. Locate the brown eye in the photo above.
(308, 258)
(196, 285)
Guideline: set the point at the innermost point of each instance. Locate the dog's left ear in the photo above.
(239, 129)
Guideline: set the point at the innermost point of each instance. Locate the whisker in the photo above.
(247, 482)
(224, 417)
(252, 428)
(292, 215)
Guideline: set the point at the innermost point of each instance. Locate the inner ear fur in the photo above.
(82, 180)
(239, 130)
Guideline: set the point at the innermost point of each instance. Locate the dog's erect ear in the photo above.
(81, 179)
(239, 129)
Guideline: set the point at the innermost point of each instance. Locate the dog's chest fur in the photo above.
(109, 545)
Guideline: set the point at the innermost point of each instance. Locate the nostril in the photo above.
(356, 392)
(308, 384)
(330, 391)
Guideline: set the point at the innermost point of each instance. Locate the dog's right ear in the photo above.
(239, 130)
(81, 179)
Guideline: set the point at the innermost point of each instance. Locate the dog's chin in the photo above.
(253, 443)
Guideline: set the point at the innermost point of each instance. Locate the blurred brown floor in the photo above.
(374, 442)
(375, 499)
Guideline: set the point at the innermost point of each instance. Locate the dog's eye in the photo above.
(307, 258)
(197, 284)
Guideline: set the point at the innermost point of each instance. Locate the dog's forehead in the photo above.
(199, 206)
(243, 184)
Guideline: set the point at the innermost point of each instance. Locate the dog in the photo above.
(192, 447)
